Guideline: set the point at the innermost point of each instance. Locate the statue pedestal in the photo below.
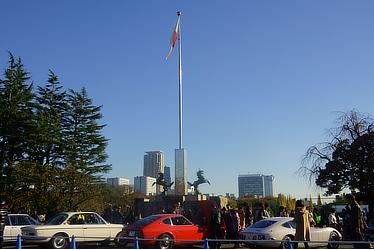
(196, 197)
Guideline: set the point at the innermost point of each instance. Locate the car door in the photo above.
(184, 229)
(95, 228)
(19, 221)
(74, 226)
(8, 230)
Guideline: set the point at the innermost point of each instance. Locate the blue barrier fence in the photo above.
(288, 243)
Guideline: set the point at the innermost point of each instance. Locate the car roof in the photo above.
(71, 213)
(280, 219)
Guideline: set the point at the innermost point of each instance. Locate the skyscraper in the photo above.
(256, 185)
(167, 176)
(154, 163)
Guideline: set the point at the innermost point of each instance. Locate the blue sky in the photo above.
(263, 80)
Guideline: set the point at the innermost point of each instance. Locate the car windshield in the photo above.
(263, 223)
(57, 220)
(147, 220)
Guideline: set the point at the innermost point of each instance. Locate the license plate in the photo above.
(131, 233)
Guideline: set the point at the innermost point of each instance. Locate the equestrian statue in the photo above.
(161, 181)
(200, 180)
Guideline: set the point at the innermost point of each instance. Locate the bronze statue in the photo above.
(161, 181)
(200, 180)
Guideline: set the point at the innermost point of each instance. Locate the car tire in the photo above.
(165, 241)
(283, 245)
(120, 243)
(333, 237)
(59, 241)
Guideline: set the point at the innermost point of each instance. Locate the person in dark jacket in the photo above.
(357, 224)
(3, 218)
(215, 227)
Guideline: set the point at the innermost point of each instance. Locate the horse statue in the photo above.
(200, 180)
(161, 181)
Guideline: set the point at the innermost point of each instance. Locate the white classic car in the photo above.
(84, 226)
(13, 226)
(269, 232)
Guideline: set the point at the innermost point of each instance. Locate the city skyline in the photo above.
(263, 81)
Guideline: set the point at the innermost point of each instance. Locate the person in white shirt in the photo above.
(332, 218)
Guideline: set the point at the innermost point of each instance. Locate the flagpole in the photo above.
(180, 83)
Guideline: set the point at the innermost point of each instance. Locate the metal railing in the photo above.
(288, 243)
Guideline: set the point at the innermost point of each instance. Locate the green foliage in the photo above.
(346, 162)
(52, 151)
(319, 202)
(16, 120)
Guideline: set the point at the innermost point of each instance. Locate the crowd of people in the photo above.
(227, 222)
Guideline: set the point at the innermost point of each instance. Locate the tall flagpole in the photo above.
(180, 84)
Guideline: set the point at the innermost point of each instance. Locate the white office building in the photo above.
(256, 185)
(117, 181)
(144, 185)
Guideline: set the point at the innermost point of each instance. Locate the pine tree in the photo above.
(310, 203)
(16, 120)
(85, 145)
(319, 202)
(51, 103)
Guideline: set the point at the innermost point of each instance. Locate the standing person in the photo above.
(3, 219)
(347, 221)
(282, 212)
(241, 218)
(302, 224)
(332, 218)
(262, 213)
(215, 226)
(248, 216)
(235, 226)
(357, 224)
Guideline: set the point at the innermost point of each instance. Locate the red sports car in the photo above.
(164, 231)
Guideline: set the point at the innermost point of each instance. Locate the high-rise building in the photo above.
(181, 172)
(256, 185)
(144, 185)
(154, 163)
(167, 176)
(117, 181)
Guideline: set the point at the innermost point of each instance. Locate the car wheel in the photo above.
(59, 241)
(284, 244)
(165, 241)
(334, 237)
(120, 242)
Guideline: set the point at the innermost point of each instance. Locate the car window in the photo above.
(288, 225)
(147, 220)
(167, 221)
(263, 223)
(19, 220)
(78, 219)
(180, 220)
(32, 221)
(93, 219)
(57, 220)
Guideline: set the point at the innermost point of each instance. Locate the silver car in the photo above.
(269, 232)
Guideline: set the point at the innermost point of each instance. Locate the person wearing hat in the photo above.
(3, 218)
